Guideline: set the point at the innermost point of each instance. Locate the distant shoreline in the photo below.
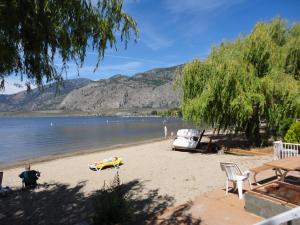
(62, 113)
(47, 113)
(52, 157)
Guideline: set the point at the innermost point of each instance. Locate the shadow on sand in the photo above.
(51, 204)
(232, 140)
(178, 215)
(223, 142)
(63, 204)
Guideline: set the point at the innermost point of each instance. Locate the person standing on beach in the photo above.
(166, 131)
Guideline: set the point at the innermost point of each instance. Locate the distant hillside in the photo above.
(152, 90)
(47, 99)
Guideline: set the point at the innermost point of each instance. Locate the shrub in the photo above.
(284, 126)
(293, 134)
(112, 204)
(154, 113)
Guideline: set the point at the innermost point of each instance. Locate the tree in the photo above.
(33, 33)
(252, 79)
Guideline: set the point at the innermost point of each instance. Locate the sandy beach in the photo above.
(180, 175)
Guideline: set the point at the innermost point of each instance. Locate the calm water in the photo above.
(25, 138)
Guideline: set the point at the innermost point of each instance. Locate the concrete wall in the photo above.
(265, 207)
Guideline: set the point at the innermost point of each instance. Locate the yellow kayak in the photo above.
(109, 162)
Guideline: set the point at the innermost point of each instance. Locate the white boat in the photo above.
(187, 139)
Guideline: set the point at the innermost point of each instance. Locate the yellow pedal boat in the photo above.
(108, 162)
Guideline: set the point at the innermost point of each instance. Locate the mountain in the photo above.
(149, 90)
(152, 90)
(47, 99)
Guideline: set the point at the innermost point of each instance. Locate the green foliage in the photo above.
(153, 113)
(284, 126)
(254, 78)
(33, 33)
(293, 134)
(171, 112)
(112, 204)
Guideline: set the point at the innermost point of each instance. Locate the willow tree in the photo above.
(244, 82)
(34, 33)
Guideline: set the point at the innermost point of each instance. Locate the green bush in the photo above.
(154, 113)
(112, 205)
(171, 112)
(284, 126)
(293, 134)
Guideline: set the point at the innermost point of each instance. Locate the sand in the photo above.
(179, 175)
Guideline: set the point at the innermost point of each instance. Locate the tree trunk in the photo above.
(210, 139)
(252, 128)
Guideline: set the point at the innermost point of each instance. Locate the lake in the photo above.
(27, 138)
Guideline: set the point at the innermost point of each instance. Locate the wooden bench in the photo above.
(259, 169)
(281, 150)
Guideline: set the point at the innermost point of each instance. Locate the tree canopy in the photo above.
(245, 82)
(34, 33)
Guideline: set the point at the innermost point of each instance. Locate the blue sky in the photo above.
(176, 31)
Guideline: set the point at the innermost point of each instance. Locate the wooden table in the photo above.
(283, 166)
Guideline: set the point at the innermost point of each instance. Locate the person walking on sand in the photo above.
(166, 131)
(29, 177)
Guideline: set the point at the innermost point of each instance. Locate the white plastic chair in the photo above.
(235, 175)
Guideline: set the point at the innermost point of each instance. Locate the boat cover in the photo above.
(187, 133)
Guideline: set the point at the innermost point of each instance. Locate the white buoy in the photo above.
(51, 124)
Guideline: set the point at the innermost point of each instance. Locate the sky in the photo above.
(174, 32)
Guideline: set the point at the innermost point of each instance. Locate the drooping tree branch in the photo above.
(34, 33)
(252, 79)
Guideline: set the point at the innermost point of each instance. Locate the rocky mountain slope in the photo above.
(47, 99)
(152, 90)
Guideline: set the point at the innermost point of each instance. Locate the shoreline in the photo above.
(62, 113)
(81, 152)
(46, 113)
